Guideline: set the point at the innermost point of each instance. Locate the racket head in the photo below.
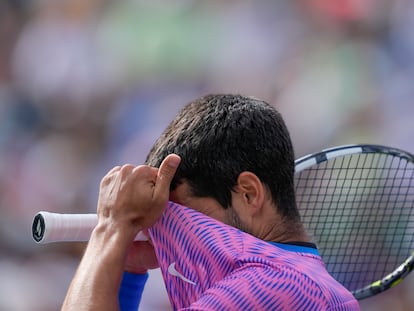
(357, 202)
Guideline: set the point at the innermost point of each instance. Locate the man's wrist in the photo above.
(107, 232)
(111, 245)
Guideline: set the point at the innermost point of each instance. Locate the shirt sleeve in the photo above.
(130, 291)
(194, 252)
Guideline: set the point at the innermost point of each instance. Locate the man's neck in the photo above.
(270, 226)
(282, 232)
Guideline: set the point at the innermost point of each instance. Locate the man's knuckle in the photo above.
(126, 168)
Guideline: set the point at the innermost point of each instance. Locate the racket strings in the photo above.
(359, 209)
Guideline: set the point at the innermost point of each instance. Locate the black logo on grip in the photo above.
(38, 228)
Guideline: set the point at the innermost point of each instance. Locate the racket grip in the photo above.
(50, 227)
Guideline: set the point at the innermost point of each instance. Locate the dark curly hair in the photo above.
(218, 137)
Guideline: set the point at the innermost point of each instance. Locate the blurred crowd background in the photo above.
(86, 85)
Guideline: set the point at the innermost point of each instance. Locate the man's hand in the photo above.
(133, 198)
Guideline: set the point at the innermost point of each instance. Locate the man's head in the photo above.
(218, 137)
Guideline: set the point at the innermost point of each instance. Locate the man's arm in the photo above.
(97, 279)
(131, 199)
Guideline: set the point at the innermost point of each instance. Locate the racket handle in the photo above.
(54, 227)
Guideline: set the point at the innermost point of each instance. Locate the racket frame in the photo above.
(305, 162)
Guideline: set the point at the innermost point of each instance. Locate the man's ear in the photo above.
(251, 191)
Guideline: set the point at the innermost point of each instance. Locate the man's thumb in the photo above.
(166, 173)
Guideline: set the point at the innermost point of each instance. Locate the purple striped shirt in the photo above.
(208, 265)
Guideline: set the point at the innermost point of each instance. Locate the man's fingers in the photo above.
(165, 175)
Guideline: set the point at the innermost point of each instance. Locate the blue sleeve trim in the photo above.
(131, 289)
(297, 248)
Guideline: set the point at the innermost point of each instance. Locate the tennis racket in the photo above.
(357, 201)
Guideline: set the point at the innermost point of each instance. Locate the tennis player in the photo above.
(221, 217)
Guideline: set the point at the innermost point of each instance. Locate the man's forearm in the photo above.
(96, 282)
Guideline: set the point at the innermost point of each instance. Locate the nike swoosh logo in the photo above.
(174, 272)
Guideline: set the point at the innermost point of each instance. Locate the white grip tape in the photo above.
(54, 227)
